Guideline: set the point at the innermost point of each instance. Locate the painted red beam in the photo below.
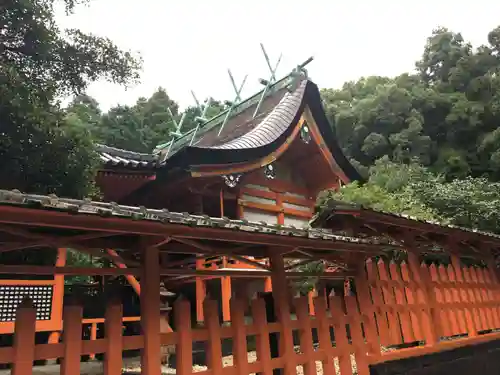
(75, 271)
(44, 218)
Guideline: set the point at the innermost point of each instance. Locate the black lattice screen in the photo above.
(12, 295)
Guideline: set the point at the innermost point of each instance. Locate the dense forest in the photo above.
(427, 141)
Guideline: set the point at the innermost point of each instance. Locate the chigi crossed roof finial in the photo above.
(267, 82)
(203, 108)
(235, 101)
(176, 133)
(233, 107)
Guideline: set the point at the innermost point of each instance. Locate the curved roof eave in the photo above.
(269, 135)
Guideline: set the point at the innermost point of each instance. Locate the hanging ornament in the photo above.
(231, 180)
(305, 134)
(270, 172)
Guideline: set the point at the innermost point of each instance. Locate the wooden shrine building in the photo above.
(231, 202)
(264, 159)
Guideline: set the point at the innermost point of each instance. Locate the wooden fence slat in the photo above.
(214, 344)
(240, 356)
(456, 300)
(479, 299)
(367, 311)
(456, 271)
(24, 339)
(485, 298)
(401, 304)
(472, 299)
(448, 300)
(340, 332)
(440, 301)
(358, 341)
(306, 340)
(425, 297)
(184, 347)
(490, 279)
(325, 340)
(381, 316)
(72, 340)
(113, 331)
(390, 305)
(263, 347)
(411, 293)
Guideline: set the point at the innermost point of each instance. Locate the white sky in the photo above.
(189, 44)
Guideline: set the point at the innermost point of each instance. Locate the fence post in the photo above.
(270, 314)
(240, 336)
(24, 339)
(263, 337)
(150, 311)
(184, 348)
(214, 346)
(113, 331)
(460, 296)
(324, 336)
(367, 310)
(378, 304)
(302, 306)
(430, 315)
(72, 339)
(281, 295)
(340, 331)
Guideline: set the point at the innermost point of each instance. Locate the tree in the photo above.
(389, 189)
(149, 122)
(41, 150)
(446, 116)
(414, 190)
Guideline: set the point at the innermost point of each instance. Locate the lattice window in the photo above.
(12, 295)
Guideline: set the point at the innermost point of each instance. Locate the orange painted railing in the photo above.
(394, 304)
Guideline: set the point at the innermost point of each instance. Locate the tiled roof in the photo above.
(118, 157)
(277, 121)
(240, 121)
(88, 207)
(335, 207)
(242, 129)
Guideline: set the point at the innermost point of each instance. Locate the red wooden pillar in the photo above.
(201, 293)
(226, 298)
(58, 293)
(58, 296)
(281, 297)
(268, 285)
(150, 311)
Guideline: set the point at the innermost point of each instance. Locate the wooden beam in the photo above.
(75, 271)
(43, 218)
(120, 263)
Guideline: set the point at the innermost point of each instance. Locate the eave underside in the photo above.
(411, 234)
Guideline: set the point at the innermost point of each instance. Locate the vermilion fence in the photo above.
(426, 307)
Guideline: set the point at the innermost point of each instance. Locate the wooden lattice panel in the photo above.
(12, 295)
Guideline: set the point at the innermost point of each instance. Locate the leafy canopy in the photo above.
(39, 150)
(445, 115)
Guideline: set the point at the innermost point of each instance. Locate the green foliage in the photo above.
(413, 190)
(75, 258)
(307, 284)
(445, 116)
(389, 189)
(41, 149)
(140, 127)
(472, 202)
